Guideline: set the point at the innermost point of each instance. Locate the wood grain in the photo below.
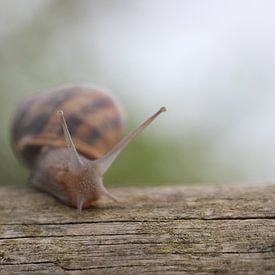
(160, 230)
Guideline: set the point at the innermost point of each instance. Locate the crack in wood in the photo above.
(271, 217)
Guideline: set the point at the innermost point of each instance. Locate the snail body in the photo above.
(69, 137)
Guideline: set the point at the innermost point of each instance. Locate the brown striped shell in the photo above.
(93, 117)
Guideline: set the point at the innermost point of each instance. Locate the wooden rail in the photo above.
(160, 230)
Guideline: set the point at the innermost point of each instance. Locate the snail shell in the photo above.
(93, 118)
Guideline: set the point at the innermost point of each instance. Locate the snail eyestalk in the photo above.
(77, 162)
(106, 161)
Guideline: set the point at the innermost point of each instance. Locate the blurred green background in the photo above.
(211, 64)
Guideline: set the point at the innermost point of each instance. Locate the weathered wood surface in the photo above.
(163, 230)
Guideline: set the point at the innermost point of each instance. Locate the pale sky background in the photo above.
(212, 63)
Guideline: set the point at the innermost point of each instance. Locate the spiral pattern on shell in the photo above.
(93, 118)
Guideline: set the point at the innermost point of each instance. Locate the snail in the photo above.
(69, 137)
